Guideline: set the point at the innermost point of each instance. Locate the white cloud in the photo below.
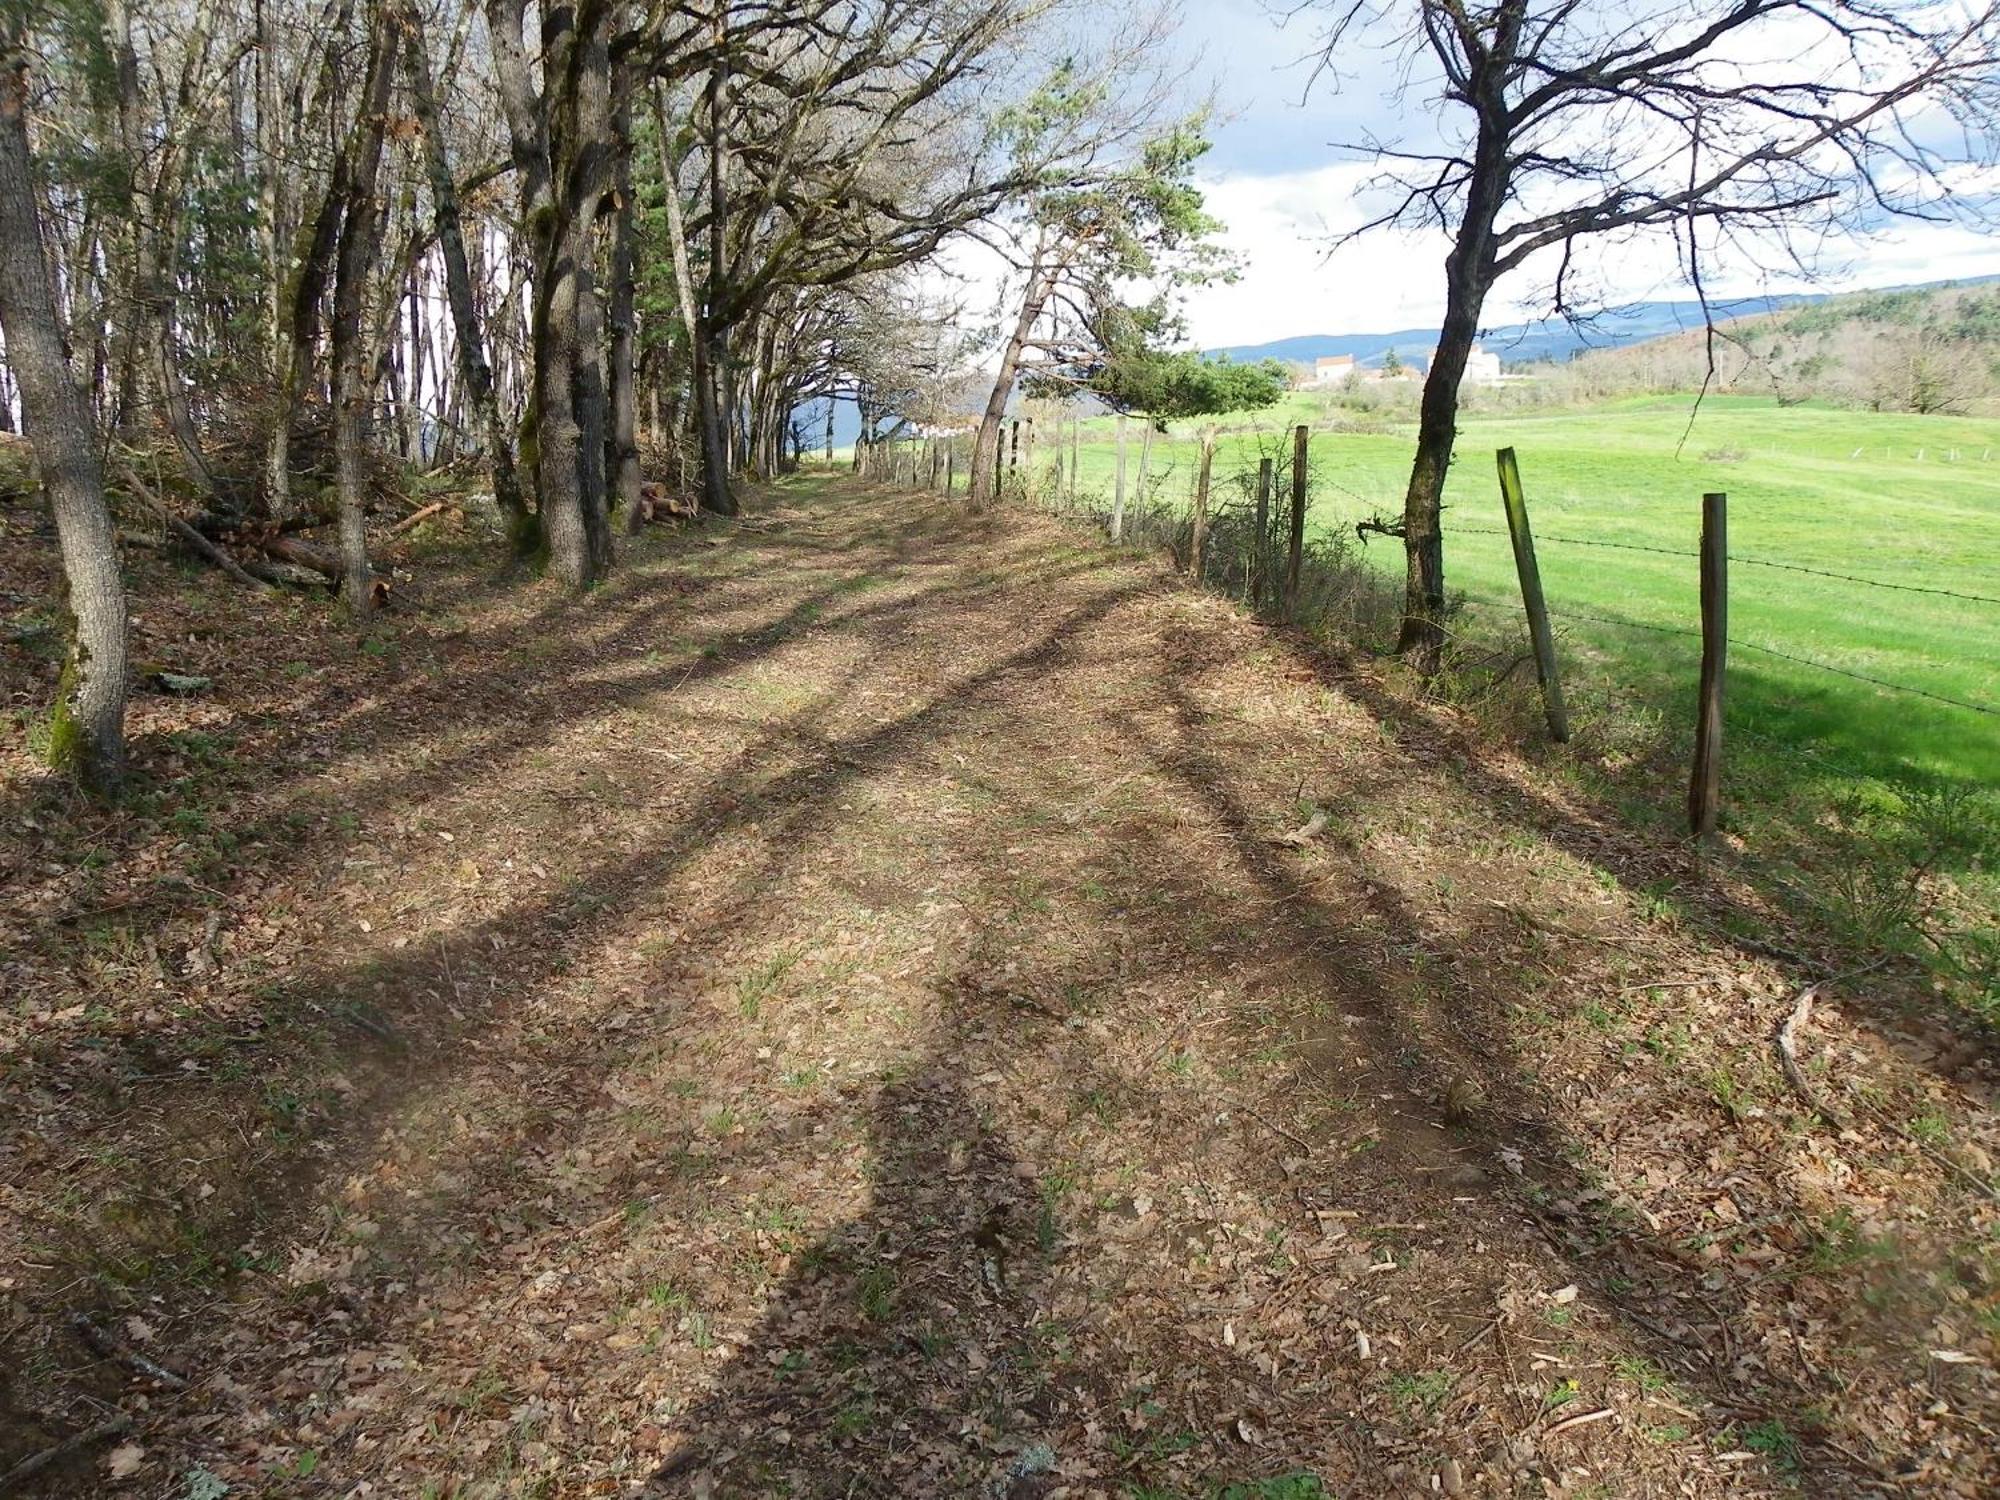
(1283, 227)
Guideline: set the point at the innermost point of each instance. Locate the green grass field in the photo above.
(1901, 499)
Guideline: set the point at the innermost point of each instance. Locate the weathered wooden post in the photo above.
(1295, 554)
(1075, 447)
(1201, 503)
(950, 461)
(1705, 786)
(1118, 487)
(1260, 549)
(1516, 502)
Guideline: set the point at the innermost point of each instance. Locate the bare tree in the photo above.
(1760, 122)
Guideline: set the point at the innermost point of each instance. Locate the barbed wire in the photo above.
(1737, 557)
(1895, 687)
(1804, 661)
(1879, 583)
(1579, 541)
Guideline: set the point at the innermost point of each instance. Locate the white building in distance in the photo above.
(1481, 368)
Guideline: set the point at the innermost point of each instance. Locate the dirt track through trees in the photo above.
(835, 1015)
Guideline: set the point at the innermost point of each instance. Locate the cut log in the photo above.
(301, 554)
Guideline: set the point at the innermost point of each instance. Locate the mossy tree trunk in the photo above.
(354, 263)
(87, 737)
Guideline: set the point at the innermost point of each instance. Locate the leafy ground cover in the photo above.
(882, 1002)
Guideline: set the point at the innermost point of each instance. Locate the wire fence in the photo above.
(1988, 709)
(1687, 631)
(1737, 557)
(1152, 490)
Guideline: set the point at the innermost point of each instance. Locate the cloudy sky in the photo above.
(1277, 177)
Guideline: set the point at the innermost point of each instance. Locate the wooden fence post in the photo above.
(1118, 489)
(1705, 786)
(1075, 446)
(1260, 550)
(1301, 444)
(950, 462)
(1201, 503)
(1516, 501)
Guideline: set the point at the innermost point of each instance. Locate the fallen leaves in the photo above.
(124, 1461)
(1051, 1005)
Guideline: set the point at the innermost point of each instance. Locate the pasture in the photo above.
(1896, 499)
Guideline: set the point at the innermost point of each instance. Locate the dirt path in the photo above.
(833, 1016)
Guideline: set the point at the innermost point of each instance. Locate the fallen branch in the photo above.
(101, 1343)
(193, 540)
(1297, 1140)
(1581, 1419)
(416, 518)
(301, 554)
(90, 1437)
(285, 575)
(1788, 1055)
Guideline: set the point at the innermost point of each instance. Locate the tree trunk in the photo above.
(87, 735)
(711, 365)
(1468, 273)
(271, 183)
(622, 448)
(568, 326)
(153, 341)
(127, 242)
(353, 391)
(314, 262)
(986, 444)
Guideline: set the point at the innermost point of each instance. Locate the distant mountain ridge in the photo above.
(1548, 339)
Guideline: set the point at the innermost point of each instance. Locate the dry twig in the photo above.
(76, 1442)
(1788, 1055)
(104, 1344)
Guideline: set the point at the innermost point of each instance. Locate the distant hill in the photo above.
(1549, 339)
(1553, 340)
(1922, 349)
